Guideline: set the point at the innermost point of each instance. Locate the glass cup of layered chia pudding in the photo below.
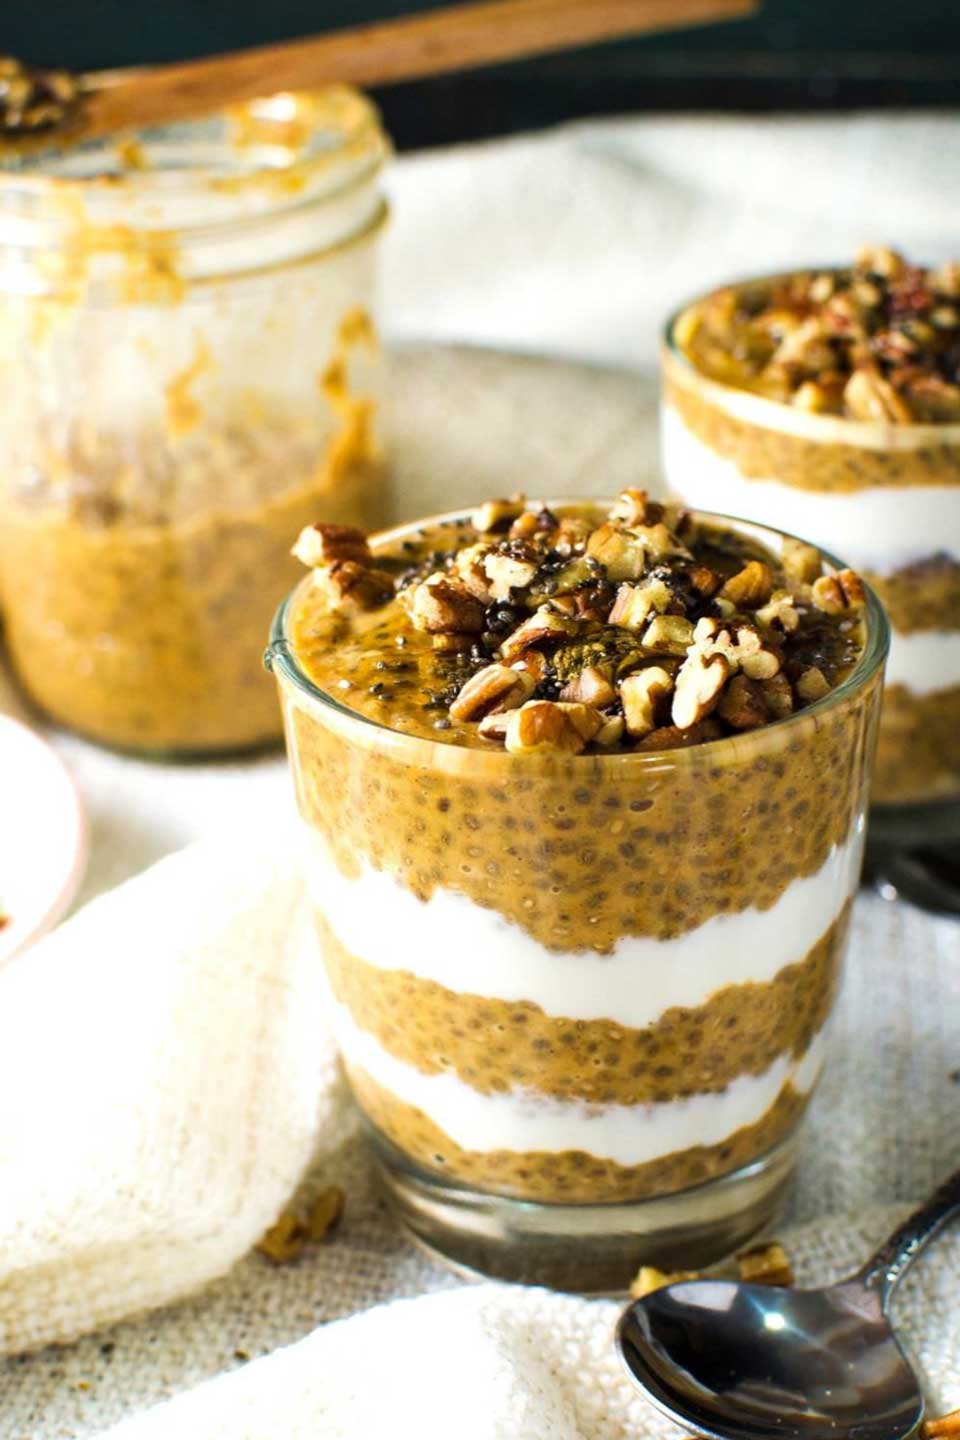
(583, 788)
(827, 401)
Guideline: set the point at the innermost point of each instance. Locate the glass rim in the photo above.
(279, 658)
(871, 434)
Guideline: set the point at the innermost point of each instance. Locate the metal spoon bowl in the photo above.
(739, 1362)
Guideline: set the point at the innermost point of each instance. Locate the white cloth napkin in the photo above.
(164, 1073)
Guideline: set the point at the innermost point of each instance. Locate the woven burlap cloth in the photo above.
(415, 1351)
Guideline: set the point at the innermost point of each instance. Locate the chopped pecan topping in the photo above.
(743, 704)
(699, 686)
(591, 687)
(619, 551)
(506, 573)
(642, 694)
(869, 397)
(468, 567)
(573, 532)
(347, 585)
(636, 603)
(546, 725)
(494, 688)
(801, 561)
(668, 635)
(544, 624)
(751, 587)
(673, 737)
(812, 685)
(780, 610)
(778, 693)
(496, 515)
(577, 631)
(835, 594)
(322, 544)
(442, 604)
(878, 342)
(742, 646)
(634, 507)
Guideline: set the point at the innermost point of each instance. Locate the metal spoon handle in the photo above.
(891, 1261)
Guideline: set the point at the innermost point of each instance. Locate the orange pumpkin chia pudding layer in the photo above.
(828, 402)
(571, 1176)
(584, 790)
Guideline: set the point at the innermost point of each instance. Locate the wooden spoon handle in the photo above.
(452, 38)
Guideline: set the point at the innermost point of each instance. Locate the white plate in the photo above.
(43, 837)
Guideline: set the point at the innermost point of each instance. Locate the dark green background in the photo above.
(795, 54)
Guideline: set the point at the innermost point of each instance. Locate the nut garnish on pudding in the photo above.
(880, 341)
(572, 633)
(828, 402)
(583, 883)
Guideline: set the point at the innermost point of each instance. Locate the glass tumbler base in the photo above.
(589, 1249)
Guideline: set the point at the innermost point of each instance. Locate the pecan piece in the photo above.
(634, 507)
(812, 685)
(743, 647)
(547, 725)
(942, 1427)
(572, 535)
(801, 561)
(507, 573)
(468, 567)
(879, 260)
(544, 624)
(347, 585)
(321, 544)
(743, 704)
(636, 603)
(494, 688)
(497, 514)
(671, 737)
(750, 587)
(443, 604)
(766, 1264)
(700, 683)
(778, 693)
(869, 397)
(779, 610)
(835, 594)
(620, 551)
(642, 693)
(648, 1278)
(590, 687)
(668, 635)
(325, 1213)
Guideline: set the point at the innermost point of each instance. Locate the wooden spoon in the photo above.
(55, 106)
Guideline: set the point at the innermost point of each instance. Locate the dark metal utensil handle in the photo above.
(891, 1261)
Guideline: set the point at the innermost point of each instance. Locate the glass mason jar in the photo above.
(191, 372)
(583, 1000)
(887, 497)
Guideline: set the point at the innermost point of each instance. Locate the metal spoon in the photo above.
(746, 1362)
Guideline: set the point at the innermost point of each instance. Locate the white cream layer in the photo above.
(523, 1121)
(881, 528)
(925, 662)
(455, 943)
